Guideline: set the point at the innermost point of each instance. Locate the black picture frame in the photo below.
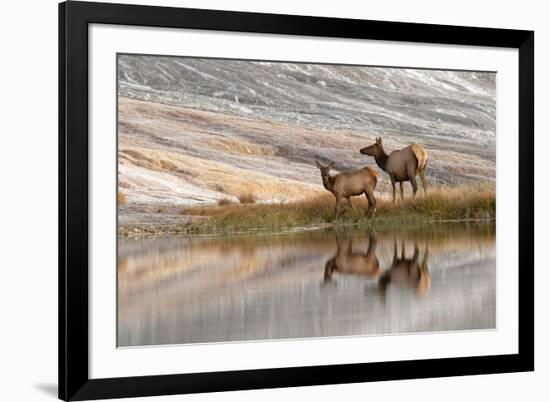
(74, 18)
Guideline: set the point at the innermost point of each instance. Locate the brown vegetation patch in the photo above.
(224, 201)
(240, 146)
(247, 198)
(121, 198)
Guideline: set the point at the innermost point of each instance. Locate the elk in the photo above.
(346, 261)
(407, 273)
(402, 165)
(347, 184)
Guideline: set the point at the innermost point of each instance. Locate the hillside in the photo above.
(195, 131)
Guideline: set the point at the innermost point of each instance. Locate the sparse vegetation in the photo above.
(465, 202)
(220, 188)
(247, 198)
(121, 197)
(224, 201)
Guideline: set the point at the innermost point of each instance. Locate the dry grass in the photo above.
(247, 198)
(465, 202)
(224, 201)
(121, 197)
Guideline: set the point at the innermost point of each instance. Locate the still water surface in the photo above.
(310, 284)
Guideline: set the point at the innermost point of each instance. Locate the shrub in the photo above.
(121, 197)
(224, 201)
(247, 198)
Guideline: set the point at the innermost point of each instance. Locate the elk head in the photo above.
(325, 169)
(375, 149)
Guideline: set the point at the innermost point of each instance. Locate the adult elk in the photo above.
(402, 165)
(349, 262)
(407, 273)
(347, 184)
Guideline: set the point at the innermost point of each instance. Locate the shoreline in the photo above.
(457, 204)
(149, 233)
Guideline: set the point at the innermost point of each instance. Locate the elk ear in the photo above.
(331, 164)
(318, 165)
(378, 140)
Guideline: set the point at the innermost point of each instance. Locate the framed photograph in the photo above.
(258, 201)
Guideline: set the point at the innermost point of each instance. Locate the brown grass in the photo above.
(465, 202)
(121, 197)
(224, 201)
(247, 198)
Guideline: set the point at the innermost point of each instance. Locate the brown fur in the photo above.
(421, 156)
(348, 262)
(402, 165)
(347, 184)
(407, 273)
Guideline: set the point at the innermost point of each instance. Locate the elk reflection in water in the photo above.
(190, 290)
(403, 272)
(347, 261)
(407, 273)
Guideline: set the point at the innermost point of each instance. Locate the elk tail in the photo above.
(421, 156)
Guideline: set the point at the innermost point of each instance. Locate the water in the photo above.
(319, 283)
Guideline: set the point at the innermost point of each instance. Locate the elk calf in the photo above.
(347, 184)
(349, 262)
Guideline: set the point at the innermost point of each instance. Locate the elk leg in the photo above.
(425, 260)
(372, 244)
(329, 268)
(393, 187)
(414, 264)
(350, 204)
(395, 254)
(423, 178)
(401, 189)
(372, 203)
(383, 283)
(412, 178)
(425, 280)
(337, 208)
